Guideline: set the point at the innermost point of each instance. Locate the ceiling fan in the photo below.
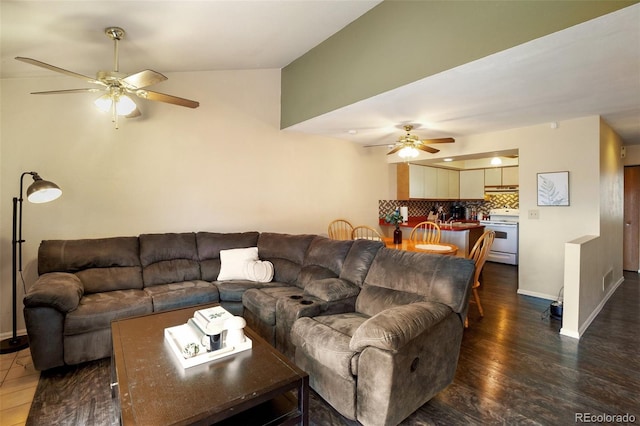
(408, 145)
(116, 86)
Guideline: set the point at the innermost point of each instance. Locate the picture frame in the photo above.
(553, 189)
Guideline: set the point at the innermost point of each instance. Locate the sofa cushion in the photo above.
(326, 340)
(96, 280)
(262, 301)
(393, 328)
(232, 291)
(102, 264)
(77, 255)
(169, 258)
(331, 289)
(359, 259)
(324, 259)
(183, 294)
(437, 277)
(286, 252)
(209, 246)
(96, 311)
(373, 299)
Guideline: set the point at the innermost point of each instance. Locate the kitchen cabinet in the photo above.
(423, 182)
(510, 176)
(416, 181)
(430, 182)
(472, 184)
(493, 177)
(501, 176)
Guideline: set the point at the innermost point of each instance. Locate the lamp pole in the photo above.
(40, 191)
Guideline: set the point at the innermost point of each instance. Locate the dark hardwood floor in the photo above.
(515, 367)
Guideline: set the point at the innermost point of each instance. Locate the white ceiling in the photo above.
(589, 69)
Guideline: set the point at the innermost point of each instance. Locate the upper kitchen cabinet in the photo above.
(422, 182)
(472, 184)
(493, 177)
(501, 176)
(510, 176)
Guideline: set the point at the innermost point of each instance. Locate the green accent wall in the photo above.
(399, 42)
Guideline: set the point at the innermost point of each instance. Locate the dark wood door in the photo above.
(631, 257)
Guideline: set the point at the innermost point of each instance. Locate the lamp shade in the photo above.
(42, 191)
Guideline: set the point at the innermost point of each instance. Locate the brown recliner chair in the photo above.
(398, 347)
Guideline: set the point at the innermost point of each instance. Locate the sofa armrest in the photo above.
(330, 289)
(393, 328)
(59, 290)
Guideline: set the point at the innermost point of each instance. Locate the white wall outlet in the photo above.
(534, 214)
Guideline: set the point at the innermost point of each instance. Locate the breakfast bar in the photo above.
(462, 234)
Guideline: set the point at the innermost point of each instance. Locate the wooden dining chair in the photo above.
(363, 232)
(340, 229)
(425, 233)
(479, 254)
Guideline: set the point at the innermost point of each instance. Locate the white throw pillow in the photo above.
(234, 263)
(260, 271)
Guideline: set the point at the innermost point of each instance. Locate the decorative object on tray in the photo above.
(211, 334)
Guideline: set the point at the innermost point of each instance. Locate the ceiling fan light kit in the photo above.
(409, 146)
(116, 85)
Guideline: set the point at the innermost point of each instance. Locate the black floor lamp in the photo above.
(40, 191)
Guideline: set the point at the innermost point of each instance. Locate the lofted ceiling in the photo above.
(590, 69)
(168, 36)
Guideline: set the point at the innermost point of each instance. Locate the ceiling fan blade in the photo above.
(142, 79)
(427, 148)
(162, 97)
(395, 149)
(64, 92)
(439, 140)
(60, 70)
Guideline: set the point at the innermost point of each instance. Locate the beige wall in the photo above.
(225, 166)
(574, 146)
(593, 264)
(633, 155)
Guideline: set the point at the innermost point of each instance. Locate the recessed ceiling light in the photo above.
(352, 132)
(448, 159)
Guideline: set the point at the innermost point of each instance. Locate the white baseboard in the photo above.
(538, 295)
(583, 327)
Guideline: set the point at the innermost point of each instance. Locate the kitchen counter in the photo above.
(457, 225)
(462, 233)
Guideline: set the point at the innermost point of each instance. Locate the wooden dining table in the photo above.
(409, 245)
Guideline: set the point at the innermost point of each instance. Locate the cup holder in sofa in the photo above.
(306, 302)
(295, 297)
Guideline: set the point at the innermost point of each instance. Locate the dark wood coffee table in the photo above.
(257, 386)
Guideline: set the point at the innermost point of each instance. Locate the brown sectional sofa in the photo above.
(326, 299)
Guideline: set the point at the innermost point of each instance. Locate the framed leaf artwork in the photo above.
(553, 189)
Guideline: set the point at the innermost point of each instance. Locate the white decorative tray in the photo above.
(180, 336)
(434, 247)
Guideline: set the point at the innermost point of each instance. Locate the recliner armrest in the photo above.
(59, 290)
(392, 328)
(330, 289)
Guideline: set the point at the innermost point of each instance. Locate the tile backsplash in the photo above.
(422, 207)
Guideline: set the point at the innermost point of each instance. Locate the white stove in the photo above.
(505, 245)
